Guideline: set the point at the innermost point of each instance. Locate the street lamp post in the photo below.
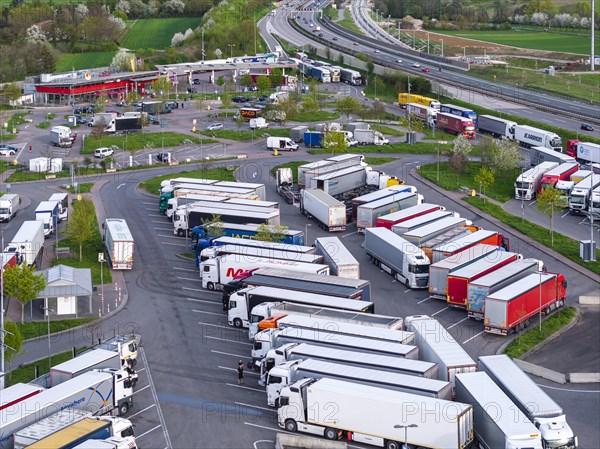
(306, 233)
(101, 260)
(231, 50)
(540, 274)
(405, 427)
(48, 310)
(522, 200)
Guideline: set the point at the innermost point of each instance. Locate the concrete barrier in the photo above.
(584, 378)
(286, 440)
(540, 371)
(590, 300)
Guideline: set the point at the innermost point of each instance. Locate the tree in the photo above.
(263, 83)
(485, 178)
(246, 80)
(276, 77)
(378, 110)
(347, 106)
(505, 155)
(335, 141)
(213, 226)
(549, 202)
(271, 233)
(21, 283)
(99, 129)
(11, 92)
(459, 153)
(80, 227)
(540, 6)
(310, 105)
(13, 341)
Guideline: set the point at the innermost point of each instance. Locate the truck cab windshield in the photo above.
(522, 185)
(419, 269)
(577, 199)
(256, 318)
(4, 211)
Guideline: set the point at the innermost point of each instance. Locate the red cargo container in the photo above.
(480, 237)
(8, 260)
(455, 124)
(512, 307)
(387, 221)
(561, 173)
(458, 281)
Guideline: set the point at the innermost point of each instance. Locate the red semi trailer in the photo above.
(511, 308)
(387, 221)
(455, 124)
(561, 173)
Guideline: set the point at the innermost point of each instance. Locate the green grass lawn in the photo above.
(317, 116)
(502, 190)
(244, 134)
(533, 336)
(221, 173)
(79, 61)
(43, 125)
(348, 23)
(379, 160)
(22, 174)
(388, 131)
(537, 40)
(26, 373)
(40, 328)
(293, 165)
(82, 187)
(157, 33)
(397, 148)
(140, 141)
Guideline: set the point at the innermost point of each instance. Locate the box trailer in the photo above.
(95, 359)
(455, 124)
(28, 243)
(480, 237)
(368, 213)
(404, 261)
(579, 197)
(528, 183)
(48, 213)
(379, 194)
(327, 165)
(459, 280)
(200, 234)
(253, 252)
(436, 345)
(9, 206)
(289, 372)
(439, 271)
(411, 224)
(387, 221)
(546, 415)
(586, 152)
(497, 127)
(481, 288)
(561, 173)
(341, 261)
(537, 155)
(423, 113)
(580, 175)
(511, 308)
(341, 181)
(258, 188)
(528, 136)
(63, 204)
(297, 133)
(421, 235)
(47, 426)
(119, 243)
(306, 406)
(186, 219)
(329, 213)
(16, 393)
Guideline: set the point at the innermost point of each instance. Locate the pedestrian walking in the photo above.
(240, 371)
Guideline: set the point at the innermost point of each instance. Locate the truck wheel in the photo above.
(123, 409)
(210, 286)
(392, 445)
(180, 232)
(291, 426)
(331, 434)
(237, 323)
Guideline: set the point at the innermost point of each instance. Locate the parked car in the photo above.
(239, 99)
(152, 119)
(8, 150)
(215, 126)
(103, 152)
(79, 120)
(192, 90)
(587, 127)
(164, 156)
(196, 81)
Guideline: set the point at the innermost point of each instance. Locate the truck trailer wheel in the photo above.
(123, 408)
(291, 426)
(331, 434)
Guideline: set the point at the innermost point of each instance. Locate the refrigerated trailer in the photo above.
(201, 235)
(561, 173)
(328, 165)
(341, 181)
(11, 396)
(579, 197)
(404, 261)
(479, 289)
(534, 402)
(185, 220)
(373, 415)
(528, 183)
(528, 136)
(252, 252)
(119, 243)
(378, 195)
(497, 127)
(420, 235)
(329, 213)
(95, 359)
(341, 261)
(387, 221)
(480, 237)
(368, 213)
(422, 220)
(28, 243)
(537, 155)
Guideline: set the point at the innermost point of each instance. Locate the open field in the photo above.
(157, 33)
(78, 61)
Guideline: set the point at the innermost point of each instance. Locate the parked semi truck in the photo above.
(579, 198)
(407, 226)
(9, 206)
(562, 172)
(436, 345)
(119, 243)
(329, 213)
(185, 220)
(175, 203)
(494, 427)
(200, 234)
(341, 181)
(97, 392)
(289, 372)
(252, 252)
(408, 98)
(16, 393)
(529, 182)
(531, 400)
(584, 152)
(297, 133)
(455, 124)
(460, 111)
(537, 155)
(481, 288)
(511, 308)
(404, 261)
(388, 221)
(333, 163)
(48, 213)
(95, 359)
(497, 127)
(368, 213)
(378, 195)
(479, 237)
(222, 269)
(28, 243)
(423, 113)
(421, 235)
(63, 204)
(109, 443)
(381, 416)
(528, 136)
(341, 261)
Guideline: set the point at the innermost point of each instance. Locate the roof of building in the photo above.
(66, 281)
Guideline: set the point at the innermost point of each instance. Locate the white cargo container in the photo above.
(422, 220)
(498, 423)
(537, 155)
(436, 345)
(48, 213)
(373, 415)
(341, 261)
(119, 243)
(420, 236)
(528, 183)
(9, 205)
(528, 137)
(329, 212)
(253, 252)
(404, 261)
(579, 197)
(496, 126)
(95, 359)
(588, 152)
(367, 214)
(11, 396)
(28, 243)
(341, 181)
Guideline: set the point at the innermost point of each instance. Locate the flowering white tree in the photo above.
(81, 12)
(35, 35)
(117, 21)
(539, 18)
(562, 20)
(122, 61)
(173, 7)
(123, 6)
(177, 38)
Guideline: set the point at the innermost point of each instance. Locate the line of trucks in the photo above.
(78, 404)
(327, 73)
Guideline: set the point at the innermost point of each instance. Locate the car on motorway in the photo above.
(8, 150)
(587, 127)
(355, 43)
(398, 60)
(334, 38)
(425, 69)
(320, 34)
(215, 126)
(376, 50)
(416, 64)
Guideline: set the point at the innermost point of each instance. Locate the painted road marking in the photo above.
(190, 279)
(565, 214)
(429, 297)
(147, 432)
(283, 431)
(141, 389)
(158, 409)
(245, 387)
(256, 406)
(229, 341)
(184, 269)
(456, 324)
(207, 313)
(235, 369)
(232, 355)
(204, 301)
(141, 411)
(440, 311)
(473, 337)
(231, 328)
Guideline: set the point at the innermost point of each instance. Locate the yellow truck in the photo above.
(405, 98)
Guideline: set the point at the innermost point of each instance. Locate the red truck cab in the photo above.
(561, 173)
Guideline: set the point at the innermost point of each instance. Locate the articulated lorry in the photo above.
(242, 302)
(528, 137)
(252, 252)
(404, 261)
(119, 243)
(48, 213)
(479, 237)
(28, 243)
(579, 198)
(423, 234)
(289, 372)
(537, 155)
(368, 213)
(201, 239)
(383, 419)
(16, 393)
(497, 127)
(498, 423)
(9, 206)
(455, 124)
(327, 165)
(409, 225)
(408, 98)
(186, 219)
(109, 443)
(529, 182)
(226, 198)
(341, 181)
(378, 195)
(341, 261)
(388, 221)
(531, 400)
(584, 152)
(511, 308)
(561, 173)
(423, 113)
(459, 111)
(436, 345)
(329, 213)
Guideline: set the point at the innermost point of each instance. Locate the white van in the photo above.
(258, 123)
(281, 143)
(103, 152)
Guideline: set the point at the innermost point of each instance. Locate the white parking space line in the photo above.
(473, 337)
(256, 407)
(229, 341)
(457, 323)
(163, 229)
(162, 222)
(406, 291)
(230, 328)
(148, 203)
(141, 389)
(194, 289)
(170, 236)
(348, 235)
(148, 431)
(533, 202)
(207, 313)
(235, 369)
(440, 311)
(204, 301)
(174, 244)
(190, 279)
(155, 397)
(565, 214)
(141, 411)
(183, 269)
(423, 300)
(277, 429)
(232, 355)
(245, 387)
